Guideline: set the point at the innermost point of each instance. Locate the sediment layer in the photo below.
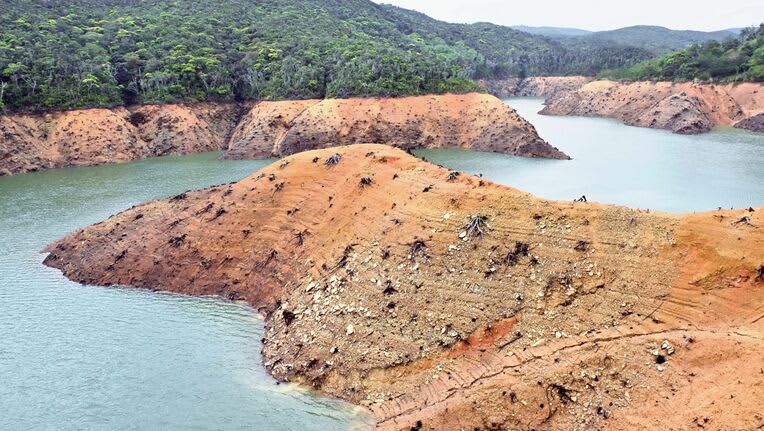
(686, 108)
(439, 300)
(261, 130)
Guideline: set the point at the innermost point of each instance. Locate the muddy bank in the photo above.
(680, 107)
(440, 300)
(536, 86)
(261, 130)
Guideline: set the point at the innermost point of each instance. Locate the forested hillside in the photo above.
(57, 54)
(738, 58)
(505, 52)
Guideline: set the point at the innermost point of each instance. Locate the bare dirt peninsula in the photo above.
(680, 107)
(440, 300)
(265, 129)
(476, 121)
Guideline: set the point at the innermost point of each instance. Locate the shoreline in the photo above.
(264, 130)
(682, 107)
(360, 349)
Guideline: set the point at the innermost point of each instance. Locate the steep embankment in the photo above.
(538, 86)
(476, 121)
(562, 316)
(32, 142)
(679, 107)
(265, 129)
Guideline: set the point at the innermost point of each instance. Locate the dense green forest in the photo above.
(734, 59)
(57, 54)
(505, 52)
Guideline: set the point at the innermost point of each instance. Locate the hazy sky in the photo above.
(595, 14)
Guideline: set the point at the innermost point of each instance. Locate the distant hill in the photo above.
(509, 52)
(552, 31)
(658, 40)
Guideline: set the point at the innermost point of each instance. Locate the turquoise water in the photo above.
(614, 163)
(75, 357)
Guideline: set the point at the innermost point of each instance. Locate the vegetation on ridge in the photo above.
(732, 60)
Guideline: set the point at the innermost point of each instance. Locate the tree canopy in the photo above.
(732, 60)
(60, 54)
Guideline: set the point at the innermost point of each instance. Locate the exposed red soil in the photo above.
(32, 142)
(261, 130)
(475, 121)
(562, 316)
(680, 107)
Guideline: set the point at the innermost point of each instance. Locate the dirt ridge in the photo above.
(686, 108)
(30, 142)
(439, 300)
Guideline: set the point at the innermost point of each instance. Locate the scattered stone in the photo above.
(667, 347)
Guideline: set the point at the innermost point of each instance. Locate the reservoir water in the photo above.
(618, 164)
(76, 357)
(80, 357)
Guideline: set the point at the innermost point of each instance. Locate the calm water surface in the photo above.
(74, 357)
(614, 163)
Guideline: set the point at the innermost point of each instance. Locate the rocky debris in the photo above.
(685, 108)
(386, 307)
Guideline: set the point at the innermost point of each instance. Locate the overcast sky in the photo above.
(595, 14)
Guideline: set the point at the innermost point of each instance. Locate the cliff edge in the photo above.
(439, 300)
